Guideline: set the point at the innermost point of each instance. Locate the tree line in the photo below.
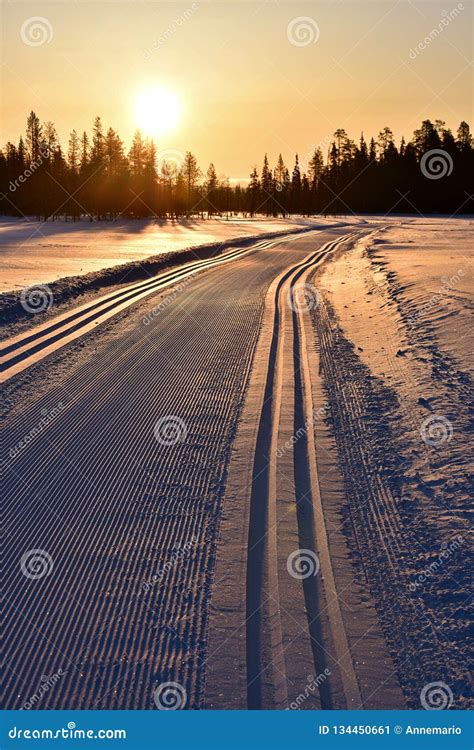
(95, 177)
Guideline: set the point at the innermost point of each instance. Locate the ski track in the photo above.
(112, 506)
(266, 669)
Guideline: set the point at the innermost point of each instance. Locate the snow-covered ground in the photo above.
(398, 305)
(388, 370)
(405, 294)
(34, 252)
(403, 297)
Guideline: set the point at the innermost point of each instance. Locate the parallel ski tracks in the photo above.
(264, 640)
(19, 352)
(92, 489)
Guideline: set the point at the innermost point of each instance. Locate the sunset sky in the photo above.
(239, 82)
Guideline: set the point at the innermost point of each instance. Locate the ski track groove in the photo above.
(262, 629)
(19, 351)
(113, 516)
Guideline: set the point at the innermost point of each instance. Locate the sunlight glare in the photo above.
(157, 111)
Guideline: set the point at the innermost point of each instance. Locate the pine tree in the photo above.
(464, 137)
(385, 142)
(426, 138)
(315, 166)
(191, 174)
(211, 188)
(50, 138)
(253, 192)
(33, 138)
(266, 188)
(279, 172)
(73, 152)
(296, 187)
(84, 151)
(136, 155)
(98, 143)
(102, 181)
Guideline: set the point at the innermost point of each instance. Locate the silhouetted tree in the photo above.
(97, 179)
(191, 174)
(211, 190)
(253, 192)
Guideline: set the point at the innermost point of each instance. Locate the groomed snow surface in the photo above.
(116, 508)
(37, 252)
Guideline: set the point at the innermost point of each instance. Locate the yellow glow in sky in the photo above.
(232, 79)
(157, 111)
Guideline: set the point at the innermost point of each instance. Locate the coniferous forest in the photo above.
(96, 178)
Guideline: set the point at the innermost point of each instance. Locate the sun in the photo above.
(157, 110)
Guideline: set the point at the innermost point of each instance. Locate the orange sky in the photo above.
(249, 76)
